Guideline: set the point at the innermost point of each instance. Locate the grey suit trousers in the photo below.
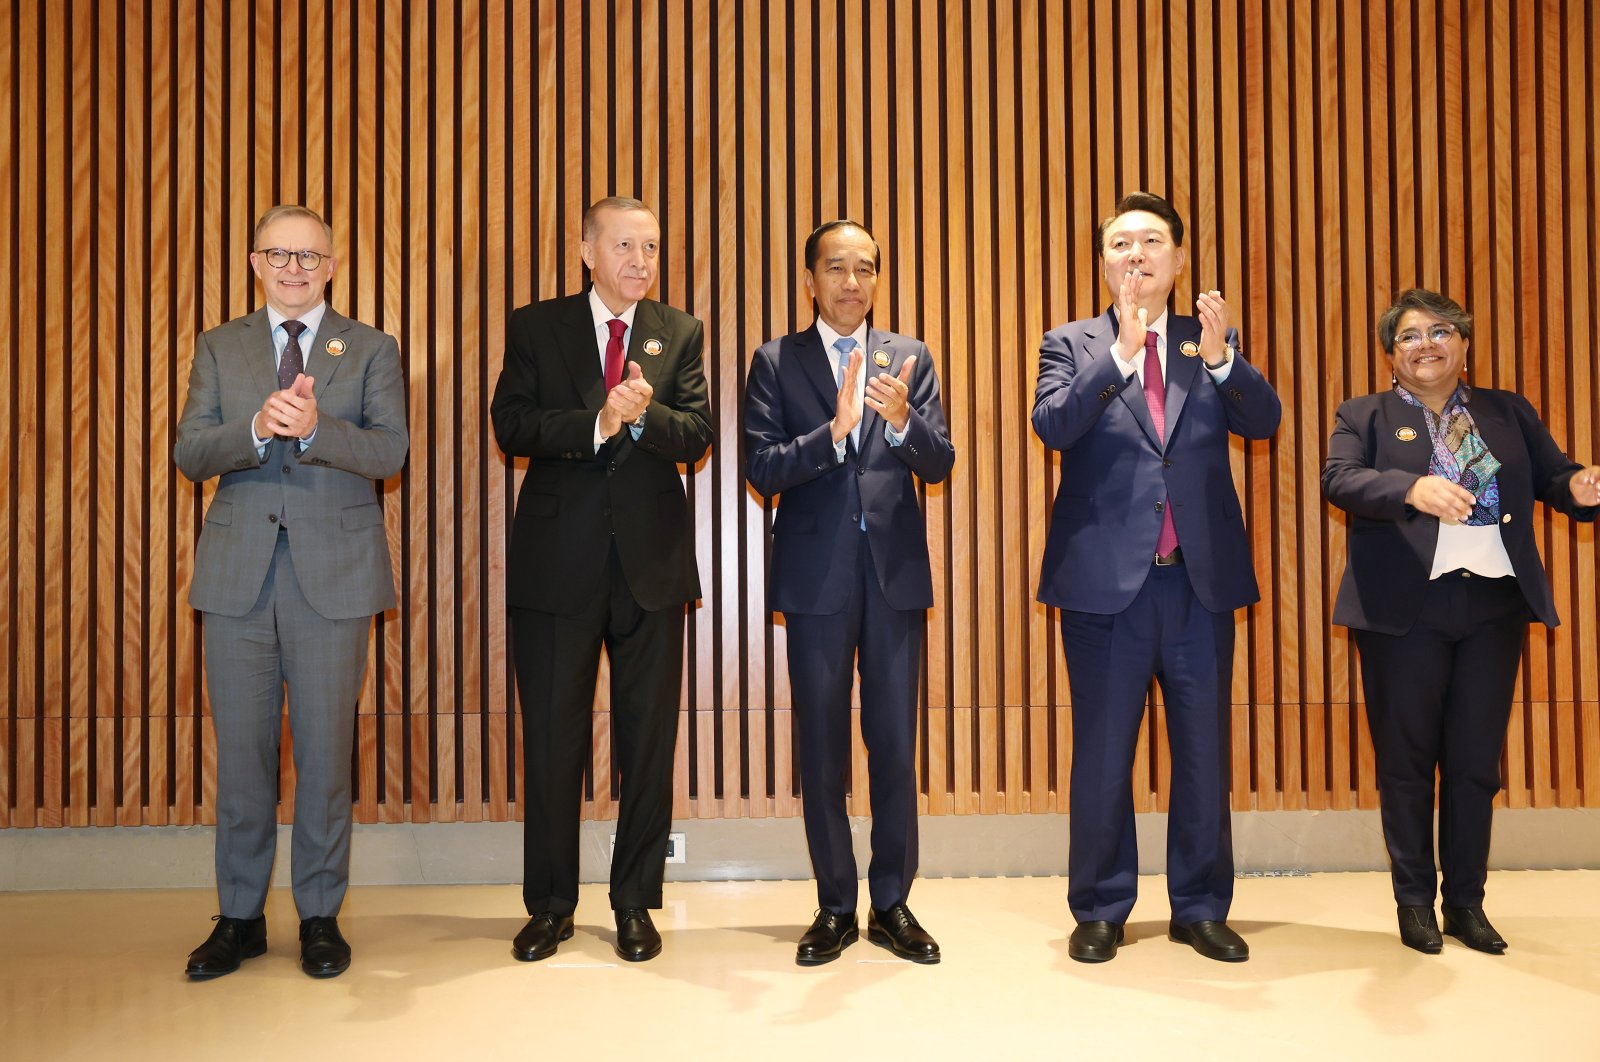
(282, 641)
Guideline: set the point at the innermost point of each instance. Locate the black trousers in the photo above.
(1439, 698)
(556, 662)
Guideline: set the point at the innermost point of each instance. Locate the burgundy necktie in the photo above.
(1155, 396)
(614, 357)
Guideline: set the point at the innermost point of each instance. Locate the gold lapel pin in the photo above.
(335, 347)
(1190, 349)
(880, 358)
(1405, 434)
(652, 347)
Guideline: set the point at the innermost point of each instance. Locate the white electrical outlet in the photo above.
(677, 848)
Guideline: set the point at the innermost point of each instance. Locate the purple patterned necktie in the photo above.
(1155, 396)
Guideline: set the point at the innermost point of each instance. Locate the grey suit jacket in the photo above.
(324, 496)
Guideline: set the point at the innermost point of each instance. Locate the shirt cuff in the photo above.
(1127, 368)
(307, 441)
(839, 450)
(895, 438)
(1221, 375)
(636, 429)
(599, 440)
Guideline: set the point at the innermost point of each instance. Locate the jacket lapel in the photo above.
(259, 354)
(817, 362)
(1405, 436)
(871, 420)
(577, 341)
(1099, 344)
(1501, 437)
(320, 364)
(647, 328)
(1182, 370)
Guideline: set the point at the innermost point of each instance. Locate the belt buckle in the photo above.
(1171, 559)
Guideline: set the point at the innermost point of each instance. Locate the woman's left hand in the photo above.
(1586, 486)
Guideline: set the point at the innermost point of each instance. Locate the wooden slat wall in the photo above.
(1325, 155)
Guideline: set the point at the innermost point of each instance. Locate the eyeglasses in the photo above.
(277, 258)
(1412, 338)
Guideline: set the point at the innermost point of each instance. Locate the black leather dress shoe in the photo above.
(1094, 941)
(538, 939)
(637, 939)
(1468, 925)
(897, 929)
(323, 952)
(829, 935)
(1214, 940)
(1419, 930)
(232, 940)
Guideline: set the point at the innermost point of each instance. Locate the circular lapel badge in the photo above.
(1190, 349)
(652, 347)
(335, 347)
(880, 358)
(1405, 434)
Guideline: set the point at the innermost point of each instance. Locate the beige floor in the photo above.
(97, 975)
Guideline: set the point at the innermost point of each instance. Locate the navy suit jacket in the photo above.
(1115, 471)
(789, 403)
(1369, 469)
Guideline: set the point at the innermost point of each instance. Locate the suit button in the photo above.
(606, 513)
(273, 518)
(285, 469)
(1506, 519)
(613, 467)
(1166, 462)
(1159, 506)
(1466, 575)
(855, 518)
(1238, 395)
(862, 470)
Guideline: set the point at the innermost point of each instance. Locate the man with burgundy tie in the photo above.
(296, 410)
(605, 395)
(1147, 559)
(842, 420)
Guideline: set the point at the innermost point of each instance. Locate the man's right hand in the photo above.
(847, 405)
(1132, 319)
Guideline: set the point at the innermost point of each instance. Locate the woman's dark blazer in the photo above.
(1373, 461)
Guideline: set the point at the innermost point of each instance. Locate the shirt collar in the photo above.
(602, 313)
(830, 337)
(312, 318)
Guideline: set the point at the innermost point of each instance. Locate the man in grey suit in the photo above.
(296, 409)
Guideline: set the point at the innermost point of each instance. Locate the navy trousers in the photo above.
(885, 644)
(1167, 634)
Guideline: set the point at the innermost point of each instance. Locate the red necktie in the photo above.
(1155, 396)
(614, 357)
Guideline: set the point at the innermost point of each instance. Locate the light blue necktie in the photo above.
(845, 345)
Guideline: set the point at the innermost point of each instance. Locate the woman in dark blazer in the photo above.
(1442, 580)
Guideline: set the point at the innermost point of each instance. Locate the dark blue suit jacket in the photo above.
(1115, 471)
(1369, 469)
(789, 403)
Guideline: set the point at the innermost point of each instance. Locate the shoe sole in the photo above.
(211, 975)
(1091, 957)
(1489, 950)
(822, 960)
(535, 956)
(646, 957)
(883, 940)
(323, 973)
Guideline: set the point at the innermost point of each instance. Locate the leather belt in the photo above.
(1175, 557)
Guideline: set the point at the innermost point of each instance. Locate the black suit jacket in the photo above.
(1370, 468)
(574, 500)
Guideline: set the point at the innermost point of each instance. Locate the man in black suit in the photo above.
(843, 420)
(604, 393)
